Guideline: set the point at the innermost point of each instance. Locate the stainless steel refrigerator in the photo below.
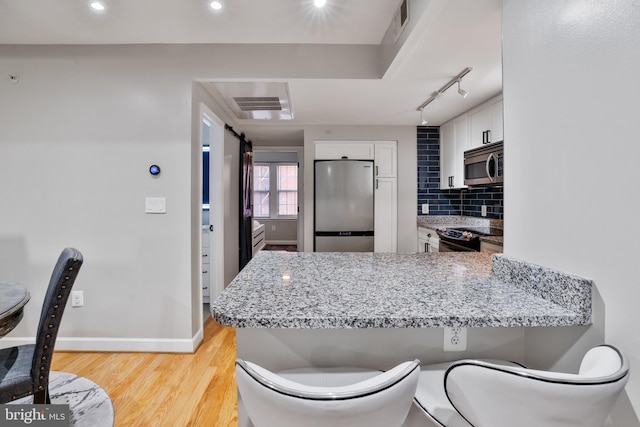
(343, 206)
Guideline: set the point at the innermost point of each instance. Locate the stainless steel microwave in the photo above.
(484, 165)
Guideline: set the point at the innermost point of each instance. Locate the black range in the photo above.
(464, 239)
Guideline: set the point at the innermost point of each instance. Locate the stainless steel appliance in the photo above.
(465, 239)
(484, 165)
(343, 206)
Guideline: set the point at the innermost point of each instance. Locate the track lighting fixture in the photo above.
(423, 120)
(439, 92)
(461, 91)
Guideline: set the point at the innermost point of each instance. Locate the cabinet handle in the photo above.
(376, 170)
(205, 272)
(211, 228)
(204, 255)
(376, 184)
(426, 246)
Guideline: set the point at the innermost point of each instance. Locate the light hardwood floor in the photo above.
(166, 389)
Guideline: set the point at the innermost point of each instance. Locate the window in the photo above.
(261, 185)
(275, 190)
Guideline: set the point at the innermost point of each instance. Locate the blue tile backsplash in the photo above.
(466, 201)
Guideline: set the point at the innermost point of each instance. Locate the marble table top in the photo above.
(89, 404)
(13, 298)
(389, 290)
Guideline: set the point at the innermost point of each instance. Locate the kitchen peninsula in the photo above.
(374, 310)
(388, 290)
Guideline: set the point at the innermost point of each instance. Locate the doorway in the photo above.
(212, 143)
(277, 195)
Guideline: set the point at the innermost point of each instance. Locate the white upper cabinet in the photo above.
(469, 130)
(480, 124)
(486, 123)
(386, 153)
(454, 141)
(331, 150)
(498, 120)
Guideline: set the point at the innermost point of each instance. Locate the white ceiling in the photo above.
(449, 36)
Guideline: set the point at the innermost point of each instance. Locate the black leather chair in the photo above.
(24, 370)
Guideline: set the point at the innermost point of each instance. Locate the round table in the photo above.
(13, 298)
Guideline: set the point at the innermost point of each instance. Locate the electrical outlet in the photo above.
(483, 210)
(273, 228)
(455, 338)
(425, 208)
(77, 299)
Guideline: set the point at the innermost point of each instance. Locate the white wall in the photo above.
(571, 150)
(77, 136)
(407, 174)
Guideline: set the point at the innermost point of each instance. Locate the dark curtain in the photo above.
(246, 208)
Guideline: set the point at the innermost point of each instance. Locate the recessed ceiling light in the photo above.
(96, 5)
(319, 3)
(216, 5)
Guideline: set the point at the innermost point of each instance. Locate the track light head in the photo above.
(461, 91)
(423, 120)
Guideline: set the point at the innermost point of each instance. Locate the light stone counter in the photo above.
(304, 290)
(375, 310)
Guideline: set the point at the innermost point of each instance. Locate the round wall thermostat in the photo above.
(154, 170)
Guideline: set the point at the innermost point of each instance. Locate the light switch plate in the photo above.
(155, 205)
(483, 210)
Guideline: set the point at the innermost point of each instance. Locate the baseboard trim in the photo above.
(119, 345)
(281, 242)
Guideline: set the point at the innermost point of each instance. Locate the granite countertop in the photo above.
(496, 240)
(308, 290)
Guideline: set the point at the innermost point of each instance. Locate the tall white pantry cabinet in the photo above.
(385, 157)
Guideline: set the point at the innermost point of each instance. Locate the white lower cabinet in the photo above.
(428, 240)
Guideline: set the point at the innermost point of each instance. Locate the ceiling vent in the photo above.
(255, 100)
(258, 103)
(400, 19)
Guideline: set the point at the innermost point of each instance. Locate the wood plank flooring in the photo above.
(166, 389)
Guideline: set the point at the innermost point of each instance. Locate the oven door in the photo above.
(447, 246)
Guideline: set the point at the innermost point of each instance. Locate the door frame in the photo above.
(216, 193)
